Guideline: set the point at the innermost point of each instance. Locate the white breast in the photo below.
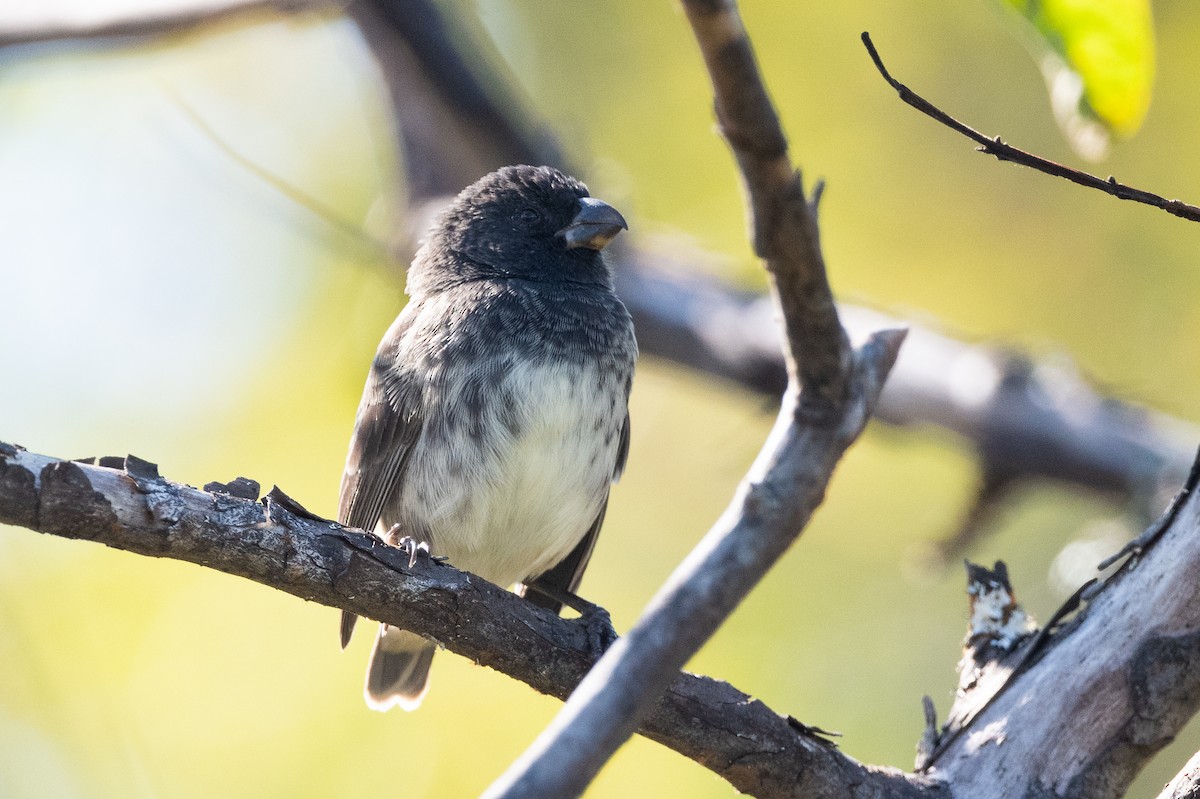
(512, 502)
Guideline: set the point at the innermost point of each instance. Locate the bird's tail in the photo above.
(399, 669)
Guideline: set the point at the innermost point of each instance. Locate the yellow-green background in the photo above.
(162, 300)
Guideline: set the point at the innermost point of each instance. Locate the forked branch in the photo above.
(831, 393)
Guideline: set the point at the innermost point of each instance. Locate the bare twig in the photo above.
(831, 392)
(126, 505)
(784, 223)
(1137, 546)
(1006, 152)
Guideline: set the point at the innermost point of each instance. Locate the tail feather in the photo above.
(347, 628)
(399, 671)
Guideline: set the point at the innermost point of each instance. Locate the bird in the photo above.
(495, 416)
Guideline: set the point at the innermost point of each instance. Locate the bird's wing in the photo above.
(565, 576)
(622, 450)
(387, 426)
(385, 431)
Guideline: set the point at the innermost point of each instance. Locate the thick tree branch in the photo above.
(277, 544)
(1019, 727)
(832, 390)
(1132, 653)
(1026, 418)
(1006, 152)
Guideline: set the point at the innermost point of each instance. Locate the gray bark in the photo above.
(1078, 710)
(126, 505)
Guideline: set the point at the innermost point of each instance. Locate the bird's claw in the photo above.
(416, 550)
(597, 624)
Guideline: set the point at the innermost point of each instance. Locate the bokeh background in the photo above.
(161, 298)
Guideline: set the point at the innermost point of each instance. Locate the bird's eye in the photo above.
(528, 216)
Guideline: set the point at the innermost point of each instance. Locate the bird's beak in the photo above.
(594, 226)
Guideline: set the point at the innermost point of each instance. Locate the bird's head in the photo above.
(523, 222)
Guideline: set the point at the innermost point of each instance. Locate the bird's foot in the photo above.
(597, 624)
(593, 618)
(416, 550)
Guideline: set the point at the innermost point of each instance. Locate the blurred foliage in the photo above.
(165, 301)
(1098, 60)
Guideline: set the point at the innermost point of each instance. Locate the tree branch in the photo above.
(1026, 418)
(783, 224)
(1006, 152)
(1132, 654)
(126, 505)
(831, 392)
(93, 23)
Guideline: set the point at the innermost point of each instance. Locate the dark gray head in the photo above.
(523, 222)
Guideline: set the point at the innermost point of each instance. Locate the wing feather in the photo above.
(385, 431)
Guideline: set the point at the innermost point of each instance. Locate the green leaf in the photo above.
(1098, 60)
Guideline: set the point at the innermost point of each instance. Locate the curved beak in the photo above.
(594, 226)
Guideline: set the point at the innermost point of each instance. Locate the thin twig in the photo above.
(326, 213)
(1006, 152)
